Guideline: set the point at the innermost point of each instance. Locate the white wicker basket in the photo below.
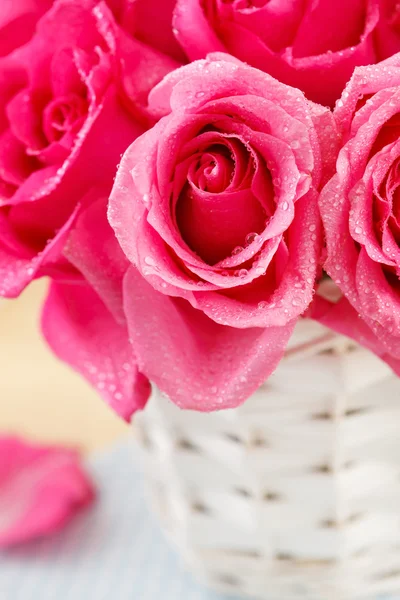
(296, 494)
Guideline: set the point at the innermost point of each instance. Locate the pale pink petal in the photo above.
(41, 489)
(199, 364)
(82, 332)
(366, 81)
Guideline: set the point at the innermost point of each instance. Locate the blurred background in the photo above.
(40, 397)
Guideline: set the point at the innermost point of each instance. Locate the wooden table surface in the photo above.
(40, 397)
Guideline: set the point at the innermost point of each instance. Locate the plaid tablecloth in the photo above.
(113, 551)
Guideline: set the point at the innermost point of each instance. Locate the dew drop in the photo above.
(241, 273)
(251, 237)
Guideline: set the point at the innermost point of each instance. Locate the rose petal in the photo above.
(324, 28)
(188, 20)
(322, 74)
(93, 249)
(344, 319)
(41, 489)
(279, 304)
(151, 22)
(18, 20)
(379, 302)
(275, 23)
(197, 363)
(214, 224)
(82, 332)
(19, 264)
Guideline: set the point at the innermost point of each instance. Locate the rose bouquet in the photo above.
(188, 173)
(192, 267)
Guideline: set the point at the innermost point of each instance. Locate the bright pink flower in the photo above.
(216, 208)
(71, 101)
(360, 205)
(310, 44)
(41, 489)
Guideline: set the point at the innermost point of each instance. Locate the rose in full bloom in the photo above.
(310, 44)
(70, 104)
(41, 489)
(360, 208)
(216, 209)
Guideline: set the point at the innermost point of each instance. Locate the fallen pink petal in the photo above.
(41, 489)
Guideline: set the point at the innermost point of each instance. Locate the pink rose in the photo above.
(41, 489)
(361, 211)
(313, 44)
(71, 101)
(18, 20)
(216, 209)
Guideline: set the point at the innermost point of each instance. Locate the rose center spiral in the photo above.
(63, 115)
(216, 210)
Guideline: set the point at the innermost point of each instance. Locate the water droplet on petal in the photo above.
(251, 237)
(241, 273)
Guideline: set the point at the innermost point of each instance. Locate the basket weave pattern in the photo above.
(296, 494)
